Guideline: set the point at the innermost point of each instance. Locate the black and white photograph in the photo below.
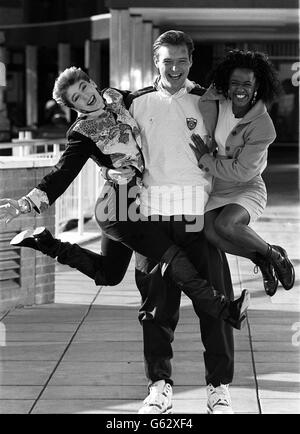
(149, 210)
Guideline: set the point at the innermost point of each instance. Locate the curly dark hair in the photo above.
(268, 84)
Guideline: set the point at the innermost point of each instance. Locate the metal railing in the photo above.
(78, 201)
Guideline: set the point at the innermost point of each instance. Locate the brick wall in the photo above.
(32, 273)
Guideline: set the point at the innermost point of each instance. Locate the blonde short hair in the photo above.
(66, 79)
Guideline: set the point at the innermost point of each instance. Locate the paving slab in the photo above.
(86, 406)
(25, 372)
(15, 406)
(278, 406)
(280, 391)
(43, 327)
(39, 336)
(19, 392)
(17, 351)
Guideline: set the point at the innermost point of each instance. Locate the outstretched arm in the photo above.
(52, 185)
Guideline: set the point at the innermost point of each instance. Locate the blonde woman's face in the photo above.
(84, 96)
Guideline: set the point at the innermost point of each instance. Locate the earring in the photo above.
(254, 98)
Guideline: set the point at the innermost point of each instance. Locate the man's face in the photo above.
(174, 64)
(84, 96)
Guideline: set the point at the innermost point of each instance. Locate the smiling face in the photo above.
(242, 85)
(84, 96)
(173, 63)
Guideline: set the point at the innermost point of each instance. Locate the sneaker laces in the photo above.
(221, 394)
(266, 270)
(155, 397)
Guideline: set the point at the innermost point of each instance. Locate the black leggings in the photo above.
(113, 217)
(113, 262)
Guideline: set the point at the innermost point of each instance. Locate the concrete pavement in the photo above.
(83, 354)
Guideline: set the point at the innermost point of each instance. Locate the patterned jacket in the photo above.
(111, 139)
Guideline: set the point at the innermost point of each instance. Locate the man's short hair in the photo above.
(173, 37)
(66, 79)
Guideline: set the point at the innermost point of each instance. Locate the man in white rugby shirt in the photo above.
(175, 192)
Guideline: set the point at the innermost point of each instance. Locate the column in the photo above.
(120, 55)
(93, 60)
(155, 35)
(64, 56)
(4, 122)
(64, 61)
(147, 54)
(137, 55)
(31, 85)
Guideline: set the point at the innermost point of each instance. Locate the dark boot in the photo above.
(238, 310)
(269, 277)
(203, 295)
(38, 239)
(282, 265)
(41, 239)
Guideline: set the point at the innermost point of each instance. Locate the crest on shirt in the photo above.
(191, 123)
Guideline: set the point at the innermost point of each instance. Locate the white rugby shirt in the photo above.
(173, 184)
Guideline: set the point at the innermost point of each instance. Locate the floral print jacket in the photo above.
(111, 139)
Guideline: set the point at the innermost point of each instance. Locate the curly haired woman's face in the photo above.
(242, 85)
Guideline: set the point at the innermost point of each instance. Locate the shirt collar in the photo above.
(186, 88)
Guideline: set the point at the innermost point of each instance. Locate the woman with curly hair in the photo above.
(240, 132)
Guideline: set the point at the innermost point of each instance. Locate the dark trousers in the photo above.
(159, 313)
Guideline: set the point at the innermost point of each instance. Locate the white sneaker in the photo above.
(159, 400)
(218, 400)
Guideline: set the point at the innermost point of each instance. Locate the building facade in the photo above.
(113, 39)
